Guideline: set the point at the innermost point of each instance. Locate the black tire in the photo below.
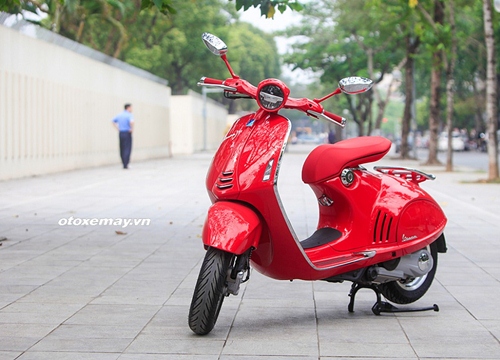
(406, 293)
(210, 291)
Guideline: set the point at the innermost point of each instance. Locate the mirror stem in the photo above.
(223, 57)
(337, 91)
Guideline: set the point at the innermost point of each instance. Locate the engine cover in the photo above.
(411, 266)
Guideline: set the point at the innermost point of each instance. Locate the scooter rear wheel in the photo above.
(210, 290)
(408, 292)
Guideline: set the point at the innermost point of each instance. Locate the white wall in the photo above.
(187, 130)
(56, 108)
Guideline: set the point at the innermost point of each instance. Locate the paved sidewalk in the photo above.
(88, 292)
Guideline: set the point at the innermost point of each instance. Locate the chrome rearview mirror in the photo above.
(214, 44)
(355, 85)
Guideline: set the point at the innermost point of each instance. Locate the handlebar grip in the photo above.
(339, 120)
(335, 117)
(207, 80)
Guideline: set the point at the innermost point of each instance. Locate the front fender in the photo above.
(231, 227)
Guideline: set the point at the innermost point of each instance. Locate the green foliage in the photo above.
(393, 113)
(167, 46)
(335, 38)
(252, 52)
(171, 46)
(11, 6)
(267, 7)
(164, 6)
(333, 41)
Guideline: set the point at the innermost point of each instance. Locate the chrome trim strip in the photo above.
(352, 261)
(278, 199)
(317, 114)
(365, 254)
(227, 173)
(283, 148)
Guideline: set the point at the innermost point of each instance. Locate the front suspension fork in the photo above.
(235, 275)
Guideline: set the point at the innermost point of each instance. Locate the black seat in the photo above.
(321, 237)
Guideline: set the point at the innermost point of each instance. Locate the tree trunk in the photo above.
(368, 114)
(478, 118)
(411, 49)
(231, 109)
(437, 61)
(361, 128)
(56, 25)
(351, 100)
(177, 83)
(81, 26)
(450, 85)
(109, 42)
(381, 102)
(369, 54)
(491, 92)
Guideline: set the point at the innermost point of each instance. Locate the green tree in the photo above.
(253, 55)
(71, 18)
(433, 33)
(171, 47)
(345, 38)
(267, 7)
(167, 46)
(55, 7)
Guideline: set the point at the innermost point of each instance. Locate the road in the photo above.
(471, 159)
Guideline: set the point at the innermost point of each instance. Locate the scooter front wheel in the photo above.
(210, 290)
(408, 292)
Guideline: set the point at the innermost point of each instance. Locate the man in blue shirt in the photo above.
(124, 123)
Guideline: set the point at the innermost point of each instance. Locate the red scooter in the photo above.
(379, 229)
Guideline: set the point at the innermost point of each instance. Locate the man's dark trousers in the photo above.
(125, 147)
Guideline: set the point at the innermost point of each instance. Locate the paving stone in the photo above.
(85, 292)
(65, 355)
(9, 355)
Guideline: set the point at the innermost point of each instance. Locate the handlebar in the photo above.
(310, 107)
(336, 118)
(215, 83)
(209, 81)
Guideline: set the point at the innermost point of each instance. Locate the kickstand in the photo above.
(381, 306)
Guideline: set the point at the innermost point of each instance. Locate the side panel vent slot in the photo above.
(225, 181)
(382, 228)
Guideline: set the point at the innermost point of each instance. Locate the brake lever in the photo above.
(232, 95)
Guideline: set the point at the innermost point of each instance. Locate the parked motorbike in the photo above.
(380, 230)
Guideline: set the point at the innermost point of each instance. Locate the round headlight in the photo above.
(272, 94)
